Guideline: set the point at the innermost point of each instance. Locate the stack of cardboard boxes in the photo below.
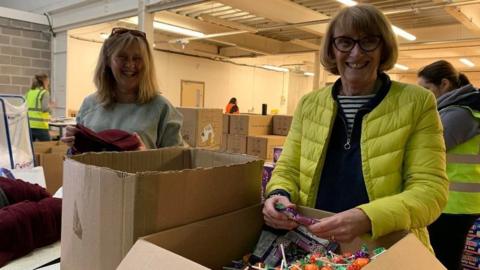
(254, 134)
(202, 127)
(471, 256)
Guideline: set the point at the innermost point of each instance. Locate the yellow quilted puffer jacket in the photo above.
(402, 151)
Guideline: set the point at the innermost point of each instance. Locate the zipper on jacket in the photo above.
(347, 144)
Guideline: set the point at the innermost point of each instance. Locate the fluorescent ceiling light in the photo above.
(169, 28)
(349, 3)
(402, 67)
(177, 29)
(275, 68)
(403, 33)
(396, 29)
(104, 35)
(309, 74)
(467, 62)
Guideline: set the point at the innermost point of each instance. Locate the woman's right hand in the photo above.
(69, 137)
(274, 218)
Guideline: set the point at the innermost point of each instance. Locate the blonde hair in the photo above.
(104, 79)
(365, 19)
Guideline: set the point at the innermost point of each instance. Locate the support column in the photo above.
(145, 21)
(59, 73)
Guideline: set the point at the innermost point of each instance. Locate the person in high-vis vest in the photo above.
(38, 101)
(459, 107)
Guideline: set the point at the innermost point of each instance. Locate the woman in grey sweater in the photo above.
(127, 96)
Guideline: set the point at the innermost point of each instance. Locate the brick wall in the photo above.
(24, 52)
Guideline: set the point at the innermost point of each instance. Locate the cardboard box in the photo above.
(226, 123)
(250, 124)
(237, 143)
(223, 146)
(112, 198)
(215, 242)
(281, 124)
(50, 156)
(262, 146)
(202, 128)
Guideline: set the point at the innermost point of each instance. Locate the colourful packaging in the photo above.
(277, 151)
(267, 174)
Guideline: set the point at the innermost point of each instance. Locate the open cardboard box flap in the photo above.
(215, 242)
(111, 199)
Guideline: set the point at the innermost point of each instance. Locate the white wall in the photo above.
(251, 86)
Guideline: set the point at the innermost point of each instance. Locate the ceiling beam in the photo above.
(281, 11)
(306, 44)
(469, 16)
(246, 41)
(226, 23)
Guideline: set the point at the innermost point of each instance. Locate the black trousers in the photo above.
(447, 236)
(41, 135)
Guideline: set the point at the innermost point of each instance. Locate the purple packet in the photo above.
(294, 215)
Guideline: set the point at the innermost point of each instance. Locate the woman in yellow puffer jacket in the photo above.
(367, 148)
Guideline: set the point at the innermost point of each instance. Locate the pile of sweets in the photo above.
(300, 249)
(315, 261)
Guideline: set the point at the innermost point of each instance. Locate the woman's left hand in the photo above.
(342, 227)
(142, 145)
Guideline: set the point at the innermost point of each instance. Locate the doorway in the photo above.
(192, 94)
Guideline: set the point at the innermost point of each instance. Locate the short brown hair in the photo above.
(103, 78)
(365, 19)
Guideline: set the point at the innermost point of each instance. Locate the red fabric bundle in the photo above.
(86, 140)
(18, 190)
(27, 225)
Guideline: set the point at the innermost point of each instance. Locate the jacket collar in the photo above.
(385, 84)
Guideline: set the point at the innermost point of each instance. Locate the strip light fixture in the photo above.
(309, 74)
(275, 68)
(467, 62)
(398, 31)
(401, 67)
(169, 28)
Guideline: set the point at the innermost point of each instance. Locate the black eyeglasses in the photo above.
(367, 44)
(121, 30)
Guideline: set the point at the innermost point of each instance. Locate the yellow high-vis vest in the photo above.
(463, 170)
(37, 118)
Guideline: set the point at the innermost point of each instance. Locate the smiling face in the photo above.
(358, 69)
(127, 65)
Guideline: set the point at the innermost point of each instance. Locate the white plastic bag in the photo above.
(15, 143)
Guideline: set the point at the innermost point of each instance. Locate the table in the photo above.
(61, 123)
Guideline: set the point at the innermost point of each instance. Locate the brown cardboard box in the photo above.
(226, 123)
(112, 198)
(50, 156)
(281, 124)
(237, 143)
(202, 128)
(250, 124)
(262, 145)
(223, 146)
(215, 242)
